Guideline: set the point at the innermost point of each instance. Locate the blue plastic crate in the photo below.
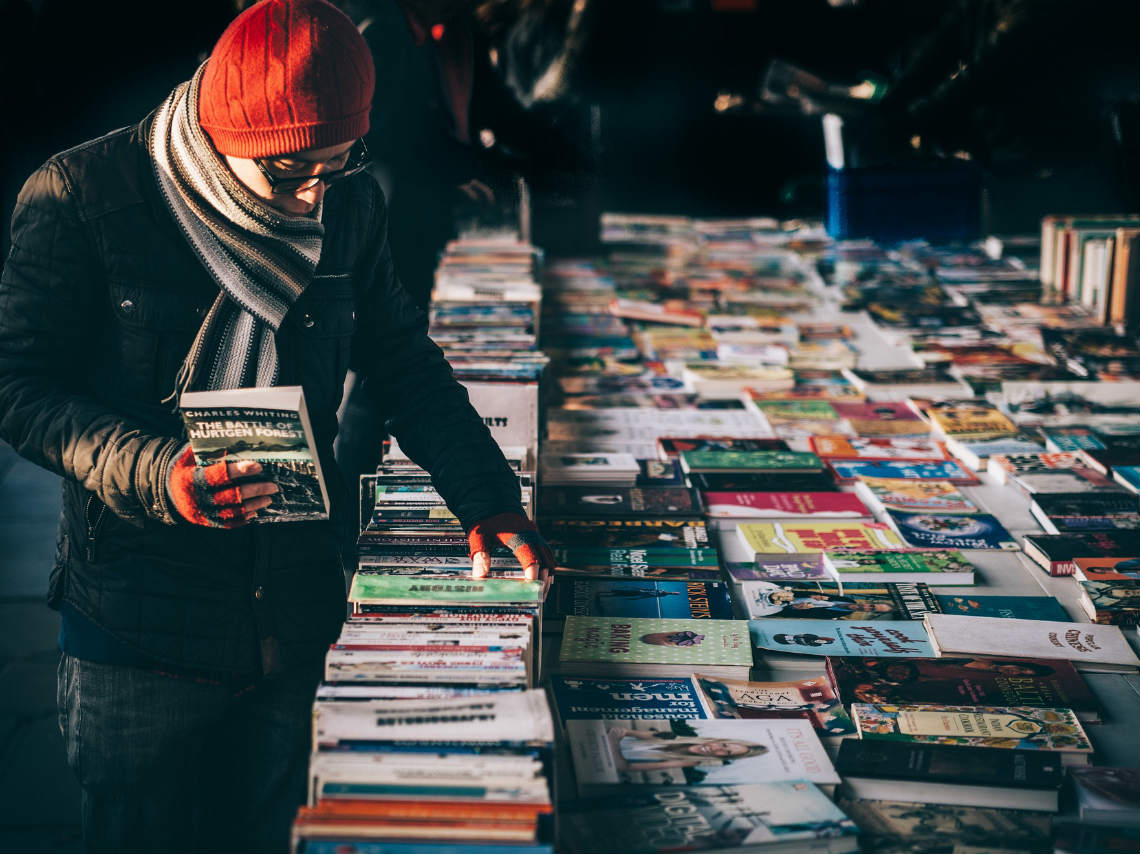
(939, 203)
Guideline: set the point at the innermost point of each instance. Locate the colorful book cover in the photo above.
(1101, 510)
(930, 566)
(969, 419)
(382, 588)
(935, 470)
(882, 418)
(984, 681)
(923, 496)
(783, 538)
(952, 531)
(856, 602)
(1109, 569)
(904, 638)
(1114, 603)
(804, 569)
(659, 473)
(694, 819)
(671, 447)
(783, 505)
(1027, 728)
(878, 448)
(656, 641)
(749, 461)
(1025, 608)
(641, 598)
(1046, 461)
(605, 698)
(785, 411)
(1072, 438)
(681, 752)
(745, 699)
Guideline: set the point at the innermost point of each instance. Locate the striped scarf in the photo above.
(262, 259)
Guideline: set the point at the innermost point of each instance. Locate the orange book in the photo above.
(450, 811)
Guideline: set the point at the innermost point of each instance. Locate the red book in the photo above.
(785, 505)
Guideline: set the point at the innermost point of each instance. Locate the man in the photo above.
(228, 240)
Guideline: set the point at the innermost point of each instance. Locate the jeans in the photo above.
(175, 764)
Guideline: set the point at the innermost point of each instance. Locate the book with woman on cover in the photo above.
(267, 424)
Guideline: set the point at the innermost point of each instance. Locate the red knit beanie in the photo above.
(285, 76)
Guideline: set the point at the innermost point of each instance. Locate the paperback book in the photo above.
(951, 531)
(680, 752)
(271, 426)
(877, 448)
(934, 567)
(814, 696)
(791, 538)
(934, 470)
(641, 598)
(740, 505)
(606, 698)
(1025, 608)
(1058, 553)
(855, 602)
(905, 638)
(785, 462)
(896, 494)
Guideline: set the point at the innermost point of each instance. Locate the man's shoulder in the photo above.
(104, 174)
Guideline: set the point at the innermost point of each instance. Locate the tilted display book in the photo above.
(267, 424)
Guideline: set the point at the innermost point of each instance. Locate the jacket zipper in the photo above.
(93, 526)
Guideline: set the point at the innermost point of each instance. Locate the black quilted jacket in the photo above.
(100, 298)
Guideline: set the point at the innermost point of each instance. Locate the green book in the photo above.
(750, 461)
(934, 567)
(378, 589)
(654, 646)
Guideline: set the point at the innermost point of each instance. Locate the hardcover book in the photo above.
(1113, 603)
(267, 424)
(951, 531)
(1057, 553)
(790, 538)
(681, 752)
(1027, 728)
(744, 699)
(596, 698)
(793, 816)
(904, 638)
(982, 681)
(1103, 510)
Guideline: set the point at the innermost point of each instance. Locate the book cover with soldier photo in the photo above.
(269, 425)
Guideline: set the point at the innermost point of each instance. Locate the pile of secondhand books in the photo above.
(429, 733)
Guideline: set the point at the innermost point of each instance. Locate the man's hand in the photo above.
(518, 534)
(210, 496)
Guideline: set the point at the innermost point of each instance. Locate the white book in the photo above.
(666, 753)
(1082, 643)
(508, 717)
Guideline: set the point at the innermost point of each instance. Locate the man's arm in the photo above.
(428, 410)
(48, 305)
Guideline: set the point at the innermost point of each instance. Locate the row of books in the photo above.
(429, 732)
(835, 651)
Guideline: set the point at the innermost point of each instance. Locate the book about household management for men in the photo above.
(605, 698)
(270, 425)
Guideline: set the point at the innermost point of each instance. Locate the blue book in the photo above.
(820, 637)
(639, 597)
(951, 531)
(601, 698)
(935, 470)
(1025, 608)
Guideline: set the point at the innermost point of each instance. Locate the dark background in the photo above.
(1042, 94)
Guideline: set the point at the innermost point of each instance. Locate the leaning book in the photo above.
(270, 425)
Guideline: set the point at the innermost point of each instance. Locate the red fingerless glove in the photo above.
(515, 532)
(204, 495)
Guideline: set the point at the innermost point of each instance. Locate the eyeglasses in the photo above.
(281, 185)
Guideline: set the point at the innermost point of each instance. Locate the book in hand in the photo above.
(654, 647)
(982, 680)
(745, 699)
(755, 817)
(1058, 553)
(932, 566)
(1090, 645)
(951, 531)
(679, 752)
(951, 774)
(904, 638)
(270, 425)
(1028, 728)
(638, 698)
